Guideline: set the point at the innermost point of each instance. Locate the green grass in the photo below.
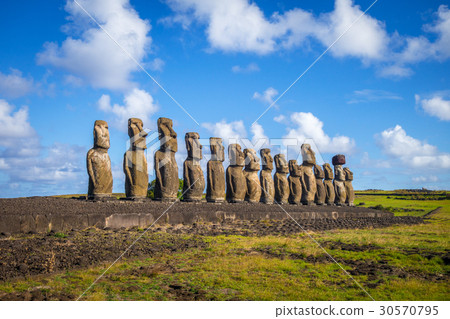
(400, 263)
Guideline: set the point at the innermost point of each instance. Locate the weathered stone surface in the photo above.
(265, 177)
(338, 159)
(328, 182)
(194, 180)
(236, 183)
(135, 162)
(251, 170)
(99, 164)
(166, 169)
(215, 189)
(295, 183)
(308, 180)
(350, 198)
(319, 199)
(339, 186)
(280, 180)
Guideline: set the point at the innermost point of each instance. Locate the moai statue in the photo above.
(251, 169)
(328, 182)
(295, 184)
(308, 179)
(194, 181)
(349, 187)
(134, 161)
(265, 177)
(166, 169)
(236, 183)
(319, 199)
(339, 179)
(99, 164)
(215, 189)
(280, 180)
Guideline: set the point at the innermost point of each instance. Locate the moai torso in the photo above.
(280, 180)
(339, 179)
(350, 198)
(252, 167)
(99, 164)
(265, 177)
(215, 190)
(135, 162)
(308, 178)
(295, 184)
(236, 182)
(328, 183)
(194, 181)
(166, 169)
(320, 191)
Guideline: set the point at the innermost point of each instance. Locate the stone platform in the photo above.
(44, 214)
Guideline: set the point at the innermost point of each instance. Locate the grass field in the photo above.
(394, 263)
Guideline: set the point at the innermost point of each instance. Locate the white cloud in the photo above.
(425, 179)
(137, 103)
(14, 85)
(229, 132)
(267, 96)
(436, 106)
(241, 26)
(93, 56)
(397, 144)
(368, 95)
(13, 125)
(395, 71)
(307, 126)
(259, 138)
(280, 118)
(157, 64)
(251, 67)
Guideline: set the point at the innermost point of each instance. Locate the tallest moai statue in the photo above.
(166, 169)
(99, 164)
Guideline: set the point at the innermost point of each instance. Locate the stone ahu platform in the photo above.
(44, 214)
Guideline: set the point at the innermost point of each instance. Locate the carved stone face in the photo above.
(328, 171)
(217, 149)
(308, 155)
(136, 133)
(267, 160)
(167, 136)
(193, 146)
(294, 169)
(281, 164)
(339, 173)
(235, 155)
(101, 135)
(251, 160)
(348, 174)
(318, 172)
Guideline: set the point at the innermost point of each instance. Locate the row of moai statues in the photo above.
(306, 184)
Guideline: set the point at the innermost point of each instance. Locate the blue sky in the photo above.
(380, 95)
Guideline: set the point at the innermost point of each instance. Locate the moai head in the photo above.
(136, 133)
(251, 160)
(295, 170)
(308, 155)
(348, 174)
(339, 173)
(101, 135)
(167, 136)
(235, 155)
(328, 171)
(281, 164)
(266, 158)
(318, 172)
(193, 146)
(217, 149)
